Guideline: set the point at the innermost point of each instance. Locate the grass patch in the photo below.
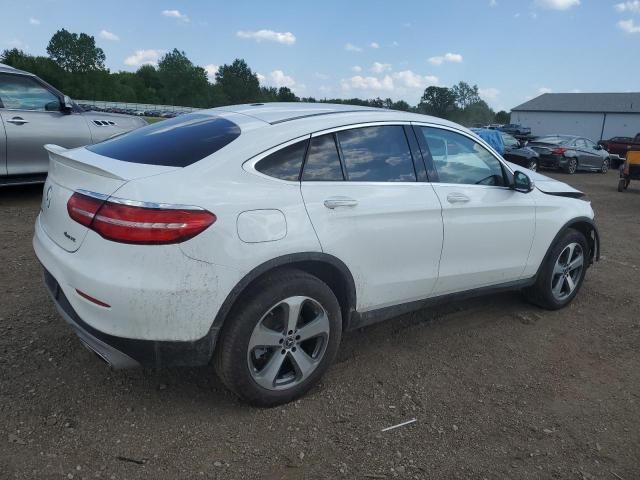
(151, 120)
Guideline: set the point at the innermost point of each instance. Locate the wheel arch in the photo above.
(587, 227)
(327, 268)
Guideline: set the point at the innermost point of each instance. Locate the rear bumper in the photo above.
(552, 161)
(120, 352)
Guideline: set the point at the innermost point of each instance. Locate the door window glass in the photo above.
(19, 92)
(459, 159)
(323, 161)
(377, 154)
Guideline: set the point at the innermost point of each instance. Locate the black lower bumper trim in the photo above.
(116, 350)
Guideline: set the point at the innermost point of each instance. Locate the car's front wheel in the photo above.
(280, 339)
(562, 272)
(533, 165)
(572, 166)
(605, 166)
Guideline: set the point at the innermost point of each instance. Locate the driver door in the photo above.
(488, 227)
(32, 117)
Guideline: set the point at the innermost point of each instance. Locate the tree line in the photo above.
(76, 65)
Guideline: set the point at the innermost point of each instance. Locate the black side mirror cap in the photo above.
(521, 182)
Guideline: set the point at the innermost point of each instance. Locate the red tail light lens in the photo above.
(559, 150)
(127, 222)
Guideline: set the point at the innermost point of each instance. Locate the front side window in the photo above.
(459, 159)
(323, 161)
(377, 154)
(19, 92)
(284, 164)
(580, 143)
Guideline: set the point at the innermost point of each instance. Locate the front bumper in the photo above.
(120, 352)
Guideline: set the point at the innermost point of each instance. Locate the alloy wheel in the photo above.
(288, 343)
(605, 166)
(567, 271)
(533, 166)
(573, 165)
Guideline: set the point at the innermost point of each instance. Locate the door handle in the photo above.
(457, 198)
(17, 121)
(336, 202)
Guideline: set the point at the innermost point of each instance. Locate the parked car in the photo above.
(33, 114)
(515, 129)
(516, 152)
(618, 147)
(255, 235)
(570, 153)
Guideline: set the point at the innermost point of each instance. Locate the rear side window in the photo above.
(323, 162)
(284, 164)
(176, 142)
(377, 154)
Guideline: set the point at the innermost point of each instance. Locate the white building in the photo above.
(596, 116)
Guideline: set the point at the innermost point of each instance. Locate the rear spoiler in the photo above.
(57, 153)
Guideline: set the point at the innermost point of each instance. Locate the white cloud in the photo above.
(447, 57)
(378, 67)
(286, 38)
(144, 57)
(211, 70)
(489, 94)
(175, 14)
(279, 79)
(261, 78)
(493, 3)
(356, 68)
(395, 44)
(632, 6)
(350, 47)
(543, 90)
(557, 4)
(374, 45)
(34, 21)
(368, 83)
(107, 35)
(409, 79)
(628, 26)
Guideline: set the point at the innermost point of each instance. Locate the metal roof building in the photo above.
(593, 115)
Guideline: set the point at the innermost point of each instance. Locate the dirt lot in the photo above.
(500, 389)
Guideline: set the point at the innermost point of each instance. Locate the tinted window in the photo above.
(459, 159)
(24, 93)
(377, 154)
(176, 142)
(510, 141)
(323, 162)
(580, 143)
(284, 164)
(589, 143)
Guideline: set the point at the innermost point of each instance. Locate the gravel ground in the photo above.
(499, 388)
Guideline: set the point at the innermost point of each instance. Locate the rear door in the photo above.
(360, 186)
(488, 227)
(32, 117)
(595, 156)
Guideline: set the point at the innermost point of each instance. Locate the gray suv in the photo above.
(33, 113)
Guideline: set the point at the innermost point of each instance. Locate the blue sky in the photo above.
(512, 49)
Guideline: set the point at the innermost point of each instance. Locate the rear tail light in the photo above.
(559, 150)
(135, 222)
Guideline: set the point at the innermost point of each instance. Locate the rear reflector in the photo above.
(129, 222)
(91, 299)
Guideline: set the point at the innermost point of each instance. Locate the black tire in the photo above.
(232, 352)
(621, 185)
(541, 293)
(605, 166)
(572, 166)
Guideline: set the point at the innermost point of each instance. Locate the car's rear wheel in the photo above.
(562, 272)
(605, 166)
(280, 340)
(533, 165)
(572, 166)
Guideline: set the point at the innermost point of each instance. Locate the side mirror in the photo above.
(598, 147)
(521, 182)
(67, 104)
(54, 106)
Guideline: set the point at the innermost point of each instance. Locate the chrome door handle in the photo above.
(336, 202)
(17, 121)
(457, 198)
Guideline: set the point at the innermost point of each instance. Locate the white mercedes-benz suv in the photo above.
(255, 235)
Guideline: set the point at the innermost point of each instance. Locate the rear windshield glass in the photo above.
(177, 142)
(552, 139)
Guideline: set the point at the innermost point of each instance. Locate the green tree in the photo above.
(238, 82)
(182, 83)
(75, 53)
(401, 105)
(465, 94)
(286, 95)
(438, 101)
(502, 117)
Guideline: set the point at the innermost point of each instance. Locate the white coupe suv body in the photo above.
(257, 234)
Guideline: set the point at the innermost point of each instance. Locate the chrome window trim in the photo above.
(138, 203)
